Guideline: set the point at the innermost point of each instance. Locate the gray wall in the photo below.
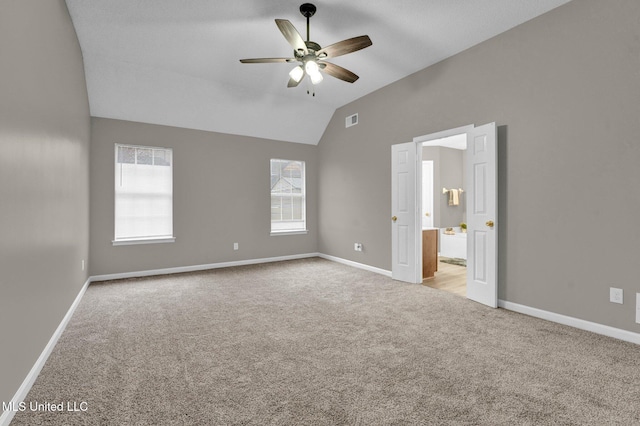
(448, 172)
(221, 196)
(44, 181)
(564, 90)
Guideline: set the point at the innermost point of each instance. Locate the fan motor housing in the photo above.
(312, 46)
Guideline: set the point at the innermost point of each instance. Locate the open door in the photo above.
(482, 209)
(427, 194)
(405, 265)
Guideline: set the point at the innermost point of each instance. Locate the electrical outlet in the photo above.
(357, 246)
(236, 246)
(638, 308)
(615, 295)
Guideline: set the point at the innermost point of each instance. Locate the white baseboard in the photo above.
(195, 268)
(356, 264)
(22, 392)
(605, 330)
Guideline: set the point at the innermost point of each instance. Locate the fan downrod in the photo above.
(307, 10)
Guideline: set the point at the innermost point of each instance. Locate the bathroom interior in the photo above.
(444, 214)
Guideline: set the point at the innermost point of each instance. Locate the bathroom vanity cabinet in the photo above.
(429, 253)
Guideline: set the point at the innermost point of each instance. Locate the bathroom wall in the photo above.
(448, 172)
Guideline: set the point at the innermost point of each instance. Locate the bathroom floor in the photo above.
(450, 278)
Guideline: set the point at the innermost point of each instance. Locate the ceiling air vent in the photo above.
(351, 120)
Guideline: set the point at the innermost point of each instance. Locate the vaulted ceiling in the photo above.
(176, 62)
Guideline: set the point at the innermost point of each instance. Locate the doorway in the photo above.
(481, 210)
(444, 212)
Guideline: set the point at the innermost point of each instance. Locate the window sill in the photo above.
(299, 232)
(134, 241)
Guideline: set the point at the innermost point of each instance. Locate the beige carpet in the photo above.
(312, 342)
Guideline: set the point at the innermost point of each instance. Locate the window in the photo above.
(143, 195)
(288, 203)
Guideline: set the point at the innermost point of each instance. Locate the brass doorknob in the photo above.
(394, 218)
(427, 214)
(489, 223)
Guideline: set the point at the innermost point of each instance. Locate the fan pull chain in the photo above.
(311, 90)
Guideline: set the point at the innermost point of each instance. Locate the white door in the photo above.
(404, 214)
(427, 194)
(482, 221)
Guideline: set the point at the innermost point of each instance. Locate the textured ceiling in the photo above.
(175, 62)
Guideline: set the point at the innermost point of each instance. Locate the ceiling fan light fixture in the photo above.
(311, 67)
(313, 71)
(297, 73)
(316, 77)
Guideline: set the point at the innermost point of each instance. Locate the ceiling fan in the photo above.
(311, 56)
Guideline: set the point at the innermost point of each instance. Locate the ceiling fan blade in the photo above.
(338, 72)
(345, 46)
(267, 60)
(292, 35)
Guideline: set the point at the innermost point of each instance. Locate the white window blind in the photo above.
(143, 193)
(288, 203)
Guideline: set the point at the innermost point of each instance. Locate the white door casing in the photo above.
(405, 222)
(482, 221)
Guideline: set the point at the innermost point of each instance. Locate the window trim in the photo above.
(292, 232)
(143, 240)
